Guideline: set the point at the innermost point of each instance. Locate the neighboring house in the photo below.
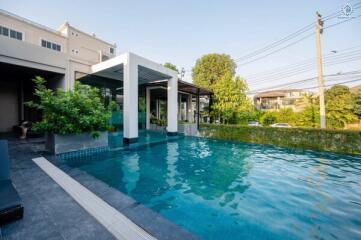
(68, 54)
(278, 99)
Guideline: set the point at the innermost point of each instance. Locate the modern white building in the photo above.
(63, 56)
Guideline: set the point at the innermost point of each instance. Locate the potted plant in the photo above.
(157, 124)
(71, 120)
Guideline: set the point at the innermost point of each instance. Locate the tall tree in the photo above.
(339, 106)
(212, 67)
(171, 66)
(230, 98)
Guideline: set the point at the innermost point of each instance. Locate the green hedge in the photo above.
(340, 141)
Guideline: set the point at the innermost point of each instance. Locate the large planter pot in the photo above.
(58, 143)
(156, 127)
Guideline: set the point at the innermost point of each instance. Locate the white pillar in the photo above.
(130, 106)
(189, 108)
(147, 100)
(172, 105)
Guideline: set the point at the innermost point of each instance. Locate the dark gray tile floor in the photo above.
(50, 213)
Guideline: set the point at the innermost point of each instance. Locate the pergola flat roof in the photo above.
(184, 86)
(109, 73)
(148, 71)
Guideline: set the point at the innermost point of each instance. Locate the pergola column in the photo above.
(130, 104)
(172, 105)
(189, 108)
(147, 102)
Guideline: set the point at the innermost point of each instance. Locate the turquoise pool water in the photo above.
(226, 190)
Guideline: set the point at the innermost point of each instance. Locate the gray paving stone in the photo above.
(49, 212)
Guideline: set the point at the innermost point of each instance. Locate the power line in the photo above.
(306, 80)
(293, 36)
(297, 64)
(304, 67)
(329, 85)
(290, 37)
(280, 49)
(274, 44)
(330, 62)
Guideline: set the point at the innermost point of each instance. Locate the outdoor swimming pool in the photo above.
(226, 190)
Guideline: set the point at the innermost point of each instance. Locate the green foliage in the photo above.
(356, 103)
(268, 118)
(252, 114)
(341, 141)
(287, 115)
(339, 107)
(212, 67)
(70, 112)
(309, 117)
(171, 66)
(230, 98)
(157, 121)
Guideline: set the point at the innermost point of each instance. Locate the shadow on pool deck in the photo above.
(50, 213)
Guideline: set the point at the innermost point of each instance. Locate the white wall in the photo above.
(85, 47)
(26, 54)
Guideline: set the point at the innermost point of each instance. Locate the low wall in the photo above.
(340, 141)
(188, 129)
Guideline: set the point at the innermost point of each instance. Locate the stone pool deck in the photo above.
(51, 213)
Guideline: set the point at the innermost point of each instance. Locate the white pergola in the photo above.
(134, 70)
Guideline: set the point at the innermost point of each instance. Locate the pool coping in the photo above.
(115, 222)
(144, 217)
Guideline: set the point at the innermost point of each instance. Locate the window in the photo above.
(50, 45)
(19, 36)
(111, 50)
(11, 33)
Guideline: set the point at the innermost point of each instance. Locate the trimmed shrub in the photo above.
(340, 141)
(70, 112)
(268, 118)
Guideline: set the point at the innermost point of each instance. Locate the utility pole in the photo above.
(319, 30)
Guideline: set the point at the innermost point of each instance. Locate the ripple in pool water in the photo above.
(227, 190)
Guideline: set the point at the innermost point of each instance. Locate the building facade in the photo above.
(62, 56)
(279, 99)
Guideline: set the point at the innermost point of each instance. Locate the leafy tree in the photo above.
(230, 98)
(70, 112)
(310, 115)
(268, 118)
(212, 67)
(339, 107)
(171, 66)
(356, 103)
(286, 115)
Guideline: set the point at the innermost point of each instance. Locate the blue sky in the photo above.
(182, 31)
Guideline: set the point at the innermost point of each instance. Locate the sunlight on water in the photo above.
(225, 190)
